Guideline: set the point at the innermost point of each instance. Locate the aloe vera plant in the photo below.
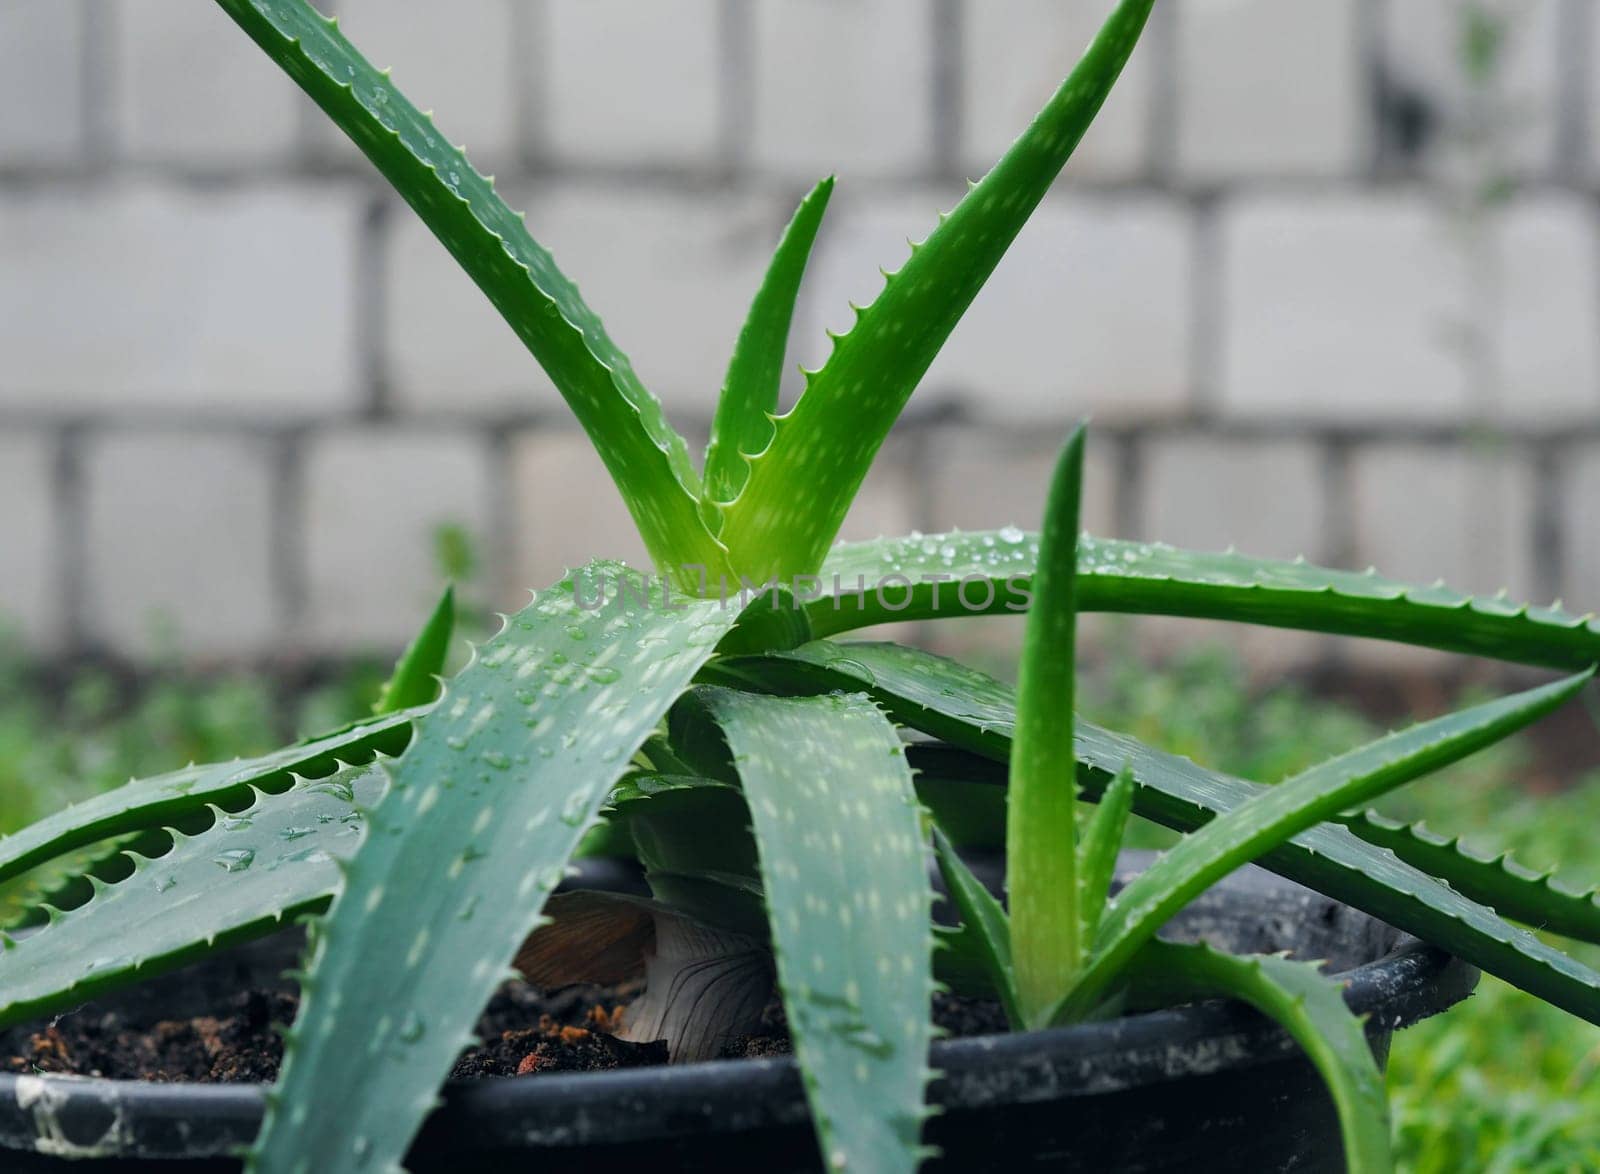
(701, 717)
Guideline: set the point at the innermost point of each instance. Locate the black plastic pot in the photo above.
(1212, 1086)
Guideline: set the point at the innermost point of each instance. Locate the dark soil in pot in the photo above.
(1205, 1087)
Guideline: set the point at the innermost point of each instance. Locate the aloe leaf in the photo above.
(801, 485)
(646, 457)
(250, 873)
(164, 799)
(1102, 840)
(1042, 827)
(484, 811)
(743, 422)
(845, 872)
(988, 929)
(1278, 813)
(974, 711)
(1310, 1007)
(989, 572)
(415, 680)
(1511, 889)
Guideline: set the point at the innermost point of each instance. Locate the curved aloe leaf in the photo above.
(991, 572)
(1278, 813)
(802, 483)
(1310, 1008)
(415, 678)
(1512, 889)
(485, 809)
(251, 873)
(976, 712)
(846, 877)
(163, 799)
(1102, 840)
(647, 458)
(743, 423)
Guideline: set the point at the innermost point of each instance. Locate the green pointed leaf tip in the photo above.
(970, 709)
(415, 678)
(1145, 578)
(800, 488)
(646, 458)
(1279, 813)
(844, 867)
(743, 423)
(1311, 1008)
(1041, 823)
(504, 777)
(1102, 841)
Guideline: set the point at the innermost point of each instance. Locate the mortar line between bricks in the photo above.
(1550, 459)
(530, 32)
(1162, 115)
(1208, 310)
(369, 316)
(1369, 26)
(1338, 542)
(946, 123)
(503, 541)
(1129, 508)
(286, 536)
(1574, 127)
(70, 546)
(98, 83)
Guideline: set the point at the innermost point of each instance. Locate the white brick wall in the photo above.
(177, 544)
(41, 81)
(566, 511)
(1268, 88)
(1340, 308)
(982, 480)
(169, 297)
(30, 590)
(1263, 497)
(613, 95)
(374, 502)
(1016, 53)
(191, 88)
(462, 60)
(842, 85)
(1090, 312)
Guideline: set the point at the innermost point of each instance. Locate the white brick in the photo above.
(884, 506)
(1422, 47)
(41, 80)
(1262, 497)
(1543, 319)
(1340, 308)
(207, 300)
(1580, 532)
(374, 503)
(633, 84)
(190, 86)
(178, 543)
(447, 347)
(1425, 514)
(671, 275)
(567, 510)
(30, 606)
(460, 60)
(1015, 54)
(842, 85)
(978, 480)
(1089, 312)
(1269, 88)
